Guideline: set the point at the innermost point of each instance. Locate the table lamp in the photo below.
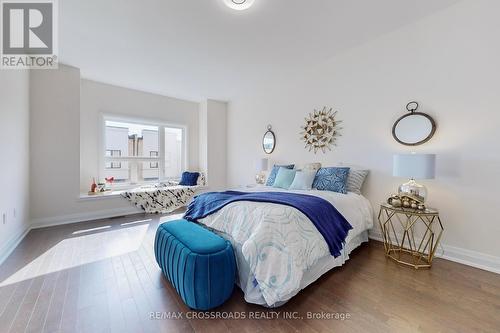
(414, 166)
(261, 167)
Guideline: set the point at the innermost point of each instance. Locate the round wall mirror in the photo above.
(414, 128)
(269, 141)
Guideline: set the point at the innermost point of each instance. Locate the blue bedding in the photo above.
(325, 217)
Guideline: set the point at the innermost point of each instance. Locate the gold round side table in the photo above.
(401, 242)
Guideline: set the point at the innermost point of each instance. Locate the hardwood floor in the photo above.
(101, 276)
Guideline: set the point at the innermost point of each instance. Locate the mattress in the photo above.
(301, 256)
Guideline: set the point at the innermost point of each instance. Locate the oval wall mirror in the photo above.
(414, 128)
(269, 141)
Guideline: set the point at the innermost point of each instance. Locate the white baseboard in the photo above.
(480, 260)
(11, 244)
(467, 257)
(81, 217)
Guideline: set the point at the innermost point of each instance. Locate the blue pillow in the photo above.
(332, 179)
(274, 172)
(303, 180)
(284, 178)
(189, 178)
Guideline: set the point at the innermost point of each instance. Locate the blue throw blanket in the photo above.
(326, 218)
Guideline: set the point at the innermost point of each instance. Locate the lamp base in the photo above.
(260, 178)
(412, 188)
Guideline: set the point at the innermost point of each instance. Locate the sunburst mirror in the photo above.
(321, 130)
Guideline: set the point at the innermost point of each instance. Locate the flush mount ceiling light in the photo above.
(239, 4)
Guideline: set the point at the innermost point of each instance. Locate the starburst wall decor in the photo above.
(321, 130)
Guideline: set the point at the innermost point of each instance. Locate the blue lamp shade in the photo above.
(414, 166)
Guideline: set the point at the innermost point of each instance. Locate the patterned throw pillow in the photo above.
(274, 172)
(332, 179)
(355, 180)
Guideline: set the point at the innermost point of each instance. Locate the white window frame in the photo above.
(161, 124)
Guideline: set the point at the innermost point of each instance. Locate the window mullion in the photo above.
(161, 152)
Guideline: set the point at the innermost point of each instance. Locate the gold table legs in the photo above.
(401, 243)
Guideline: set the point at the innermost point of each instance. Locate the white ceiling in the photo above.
(197, 49)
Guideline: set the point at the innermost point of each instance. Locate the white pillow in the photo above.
(309, 166)
(303, 180)
(202, 180)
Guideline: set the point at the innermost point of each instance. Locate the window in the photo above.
(113, 153)
(136, 152)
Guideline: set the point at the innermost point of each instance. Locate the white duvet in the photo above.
(279, 243)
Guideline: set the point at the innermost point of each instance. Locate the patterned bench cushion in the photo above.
(161, 200)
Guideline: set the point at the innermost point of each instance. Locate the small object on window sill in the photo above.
(109, 181)
(92, 193)
(93, 186)
(101, 187)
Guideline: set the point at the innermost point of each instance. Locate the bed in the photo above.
(278, 250)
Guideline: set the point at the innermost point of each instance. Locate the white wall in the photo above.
(98, 98)
(55, 153)
(14, 166)
(213, 142)
(203, 133)
(63, 140)
(449, 62)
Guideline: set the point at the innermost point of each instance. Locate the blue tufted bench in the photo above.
(199, 264)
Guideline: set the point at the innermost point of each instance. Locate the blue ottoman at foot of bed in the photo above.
(199, 264)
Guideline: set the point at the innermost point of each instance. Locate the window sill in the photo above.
(99, 196)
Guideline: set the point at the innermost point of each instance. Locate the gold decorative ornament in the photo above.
(321, 130)
(406, 201)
